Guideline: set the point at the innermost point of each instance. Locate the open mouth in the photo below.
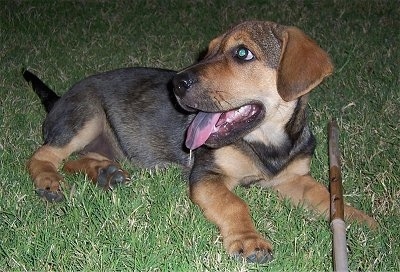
(222, 127)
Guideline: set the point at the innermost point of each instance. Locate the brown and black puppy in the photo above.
(242, 109)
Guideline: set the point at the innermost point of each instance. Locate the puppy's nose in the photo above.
(182, 83)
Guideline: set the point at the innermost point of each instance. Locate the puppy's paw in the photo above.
(250, 246)
(51, 196)
(352, 214)
(111, 176)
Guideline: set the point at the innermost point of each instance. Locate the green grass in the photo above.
(150, 224)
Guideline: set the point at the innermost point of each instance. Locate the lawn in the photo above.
(150, 224)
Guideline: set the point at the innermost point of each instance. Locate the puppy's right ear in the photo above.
(211, 49)
(214, 45)
(303, 64)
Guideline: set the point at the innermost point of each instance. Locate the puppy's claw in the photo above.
(51, 196)
(251, 247)
(260, 256)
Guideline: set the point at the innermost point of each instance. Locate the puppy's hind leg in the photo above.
(43, 167)
(100, 169)
(44, 163)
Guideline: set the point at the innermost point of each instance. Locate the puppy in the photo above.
(241, 109)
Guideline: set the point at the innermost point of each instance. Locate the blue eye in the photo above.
(244, 54)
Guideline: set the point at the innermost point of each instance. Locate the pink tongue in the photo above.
(200, 129)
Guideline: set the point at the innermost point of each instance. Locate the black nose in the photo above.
(182, 83)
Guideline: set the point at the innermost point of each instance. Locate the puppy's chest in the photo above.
(244, 167)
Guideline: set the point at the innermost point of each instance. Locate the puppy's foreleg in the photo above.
(305, 190)
(232, 217)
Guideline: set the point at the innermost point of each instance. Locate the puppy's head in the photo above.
(247, 73)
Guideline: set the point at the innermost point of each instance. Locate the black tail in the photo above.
(47, 96)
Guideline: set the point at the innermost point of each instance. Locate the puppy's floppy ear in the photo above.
(214, 45)
(303, 64)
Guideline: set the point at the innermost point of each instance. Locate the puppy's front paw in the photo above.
(352, 214)
(250, 246)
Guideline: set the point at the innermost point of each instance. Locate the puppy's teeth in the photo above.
(245, 110)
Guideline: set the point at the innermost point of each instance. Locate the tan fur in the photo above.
(303, 64)
(43, 167)
(227, 81)
(240, 167)
(231, 215)
(44, 163)
(89, 164)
